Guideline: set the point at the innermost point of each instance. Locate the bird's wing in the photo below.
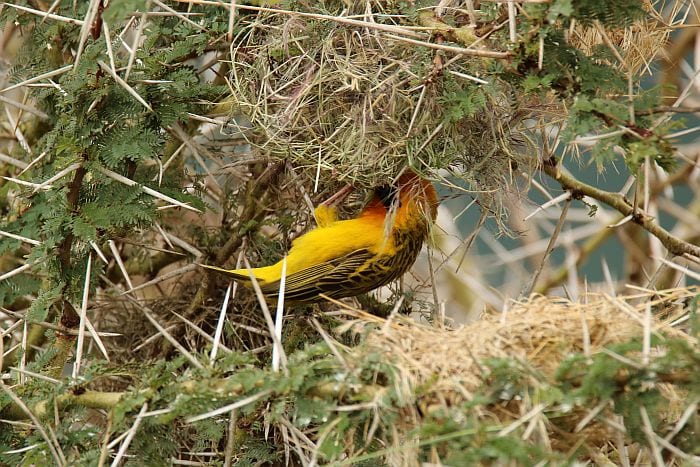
(327, 277)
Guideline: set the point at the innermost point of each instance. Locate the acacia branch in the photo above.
(224, 388)
(69, 317)
(76, 396)
(673, 244)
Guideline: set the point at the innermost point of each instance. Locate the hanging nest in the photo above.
(359, 106)
(354, 104)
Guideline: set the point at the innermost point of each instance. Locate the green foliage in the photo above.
(96, 122)
(316, 383)
(610, 120)
(39, 309)
(18, 286)
(565, 69)
(615, 14)
(560, 9)
(463, 103)
(592, 83)
(619, 13)
(609, 376)
(117, 11)
(535, 82)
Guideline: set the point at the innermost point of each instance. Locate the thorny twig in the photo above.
(673, 244)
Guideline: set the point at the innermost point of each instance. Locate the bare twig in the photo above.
(39, 77)
(64, 19)
(131, 433)
(451, 48)
(550, 246)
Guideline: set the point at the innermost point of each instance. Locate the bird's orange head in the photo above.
(411, 201)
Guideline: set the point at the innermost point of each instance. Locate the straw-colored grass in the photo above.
(541, 331)
(638, 44)
(439, 368)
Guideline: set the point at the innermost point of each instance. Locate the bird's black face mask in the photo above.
(387, 194)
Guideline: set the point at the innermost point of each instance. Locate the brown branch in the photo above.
(618, 202)
(63, 344)
(69, 317)
(559, 276)
(224, 388)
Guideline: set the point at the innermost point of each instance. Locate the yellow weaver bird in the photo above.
(344, 258)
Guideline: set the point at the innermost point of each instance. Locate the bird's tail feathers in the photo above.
(238, 274)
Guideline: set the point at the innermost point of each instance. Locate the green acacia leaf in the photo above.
(39, 309)
(84, 230)
(560, 8)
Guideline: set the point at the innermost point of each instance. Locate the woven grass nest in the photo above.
(441, 368)
(356, 105)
